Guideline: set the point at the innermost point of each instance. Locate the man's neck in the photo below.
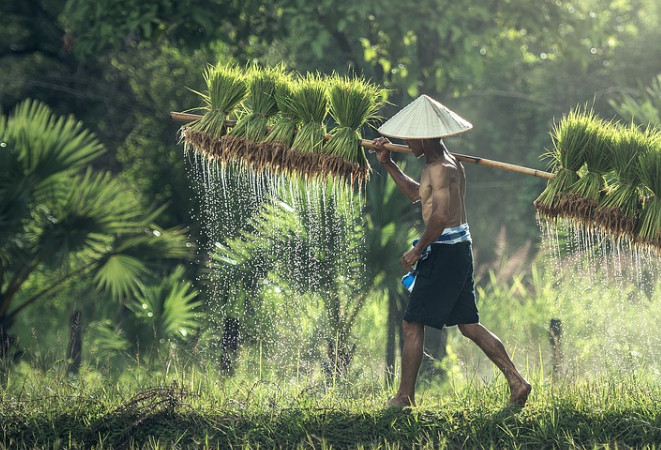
(434, 151)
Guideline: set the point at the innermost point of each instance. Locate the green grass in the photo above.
(606, 394)
(193, 409)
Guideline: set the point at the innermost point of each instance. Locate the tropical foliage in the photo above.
(63, 219)
(311, 249)
(511, 67)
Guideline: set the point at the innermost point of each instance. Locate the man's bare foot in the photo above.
(400, 402)
(520, 393)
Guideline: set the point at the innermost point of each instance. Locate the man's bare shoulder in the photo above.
(442, 172)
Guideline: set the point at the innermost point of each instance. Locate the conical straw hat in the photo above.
(424, 118)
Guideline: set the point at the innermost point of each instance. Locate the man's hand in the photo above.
(410, 258)
(382, 155)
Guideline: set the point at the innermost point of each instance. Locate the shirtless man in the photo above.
(443, 293)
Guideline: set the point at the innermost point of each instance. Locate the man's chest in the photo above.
(425, 188)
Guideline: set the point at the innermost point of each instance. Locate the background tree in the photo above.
(64, 220)
(642, 106)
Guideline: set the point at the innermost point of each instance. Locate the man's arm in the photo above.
(406, 184)
(437, 221)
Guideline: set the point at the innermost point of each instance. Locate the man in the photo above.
(440, 263)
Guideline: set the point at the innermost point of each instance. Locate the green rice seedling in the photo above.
(649, 230)
(570, 138)
(242, 141)
(226, 89)
(309, 103)
(353, 103)
(618, 211)
(281, 136)
(583, 196)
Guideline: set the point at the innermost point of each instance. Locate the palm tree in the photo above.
(61, 219)
(315, 249)
(163, 315)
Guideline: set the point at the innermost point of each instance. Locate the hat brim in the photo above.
(424, 118)
(421, 138)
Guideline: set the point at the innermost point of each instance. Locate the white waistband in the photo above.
(453, 235)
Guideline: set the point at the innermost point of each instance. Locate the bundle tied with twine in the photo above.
(619, 208)
(570, 137)
(241, 143)
(279, 139)
(588, 151)
(281, 124)
(226, 89)
(309, 104)
(649, 230)
(583, 196)
(353, 103)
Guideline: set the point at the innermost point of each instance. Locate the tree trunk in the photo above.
(555, 339)
(229, 344)
(8, 350)
(4, 338)
(339, 357)
(74, 352)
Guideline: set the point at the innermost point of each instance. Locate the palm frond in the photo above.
(130, 258)
(120, 275)
(48, 145)
(96, 206)
(169, 306)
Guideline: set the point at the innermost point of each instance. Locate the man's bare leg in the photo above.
(495, 350)
(414, 337)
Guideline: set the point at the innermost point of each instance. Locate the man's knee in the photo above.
(411, 328)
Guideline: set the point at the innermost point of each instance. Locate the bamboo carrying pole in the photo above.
(186, 117)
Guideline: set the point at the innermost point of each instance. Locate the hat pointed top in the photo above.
(424, 118)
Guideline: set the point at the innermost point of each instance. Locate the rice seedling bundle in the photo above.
(309, 103)
(570, 138)
(226, 89)
(353, 103)
(583, 196)
(281, 136)
(619, 209)
(241, 142)
(649, 231)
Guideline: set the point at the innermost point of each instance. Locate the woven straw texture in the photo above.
(424, 118)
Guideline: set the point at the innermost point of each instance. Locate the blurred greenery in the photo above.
(510, 67)
(63, 224)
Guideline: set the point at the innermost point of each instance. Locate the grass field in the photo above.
(606, 395)
(194, 409)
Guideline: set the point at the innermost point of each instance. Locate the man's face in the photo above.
(416, 147)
